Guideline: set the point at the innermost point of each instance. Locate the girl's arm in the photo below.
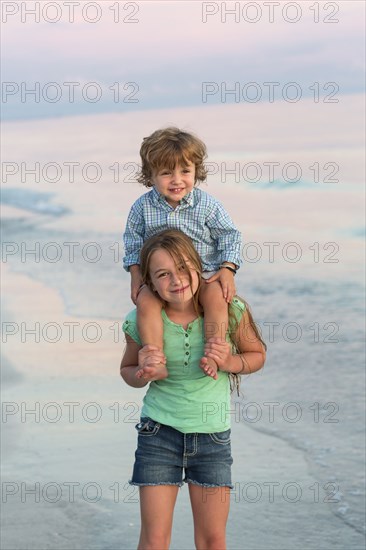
(138, 365)
(252, 353)
(129, 364)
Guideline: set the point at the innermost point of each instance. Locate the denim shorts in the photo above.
(163, 453)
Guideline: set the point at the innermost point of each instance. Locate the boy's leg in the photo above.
(216, 317)
(149, 321)
(157, 507)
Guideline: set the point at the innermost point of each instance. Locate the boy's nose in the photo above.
(176, 176)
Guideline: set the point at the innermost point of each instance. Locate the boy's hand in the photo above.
(226, 278)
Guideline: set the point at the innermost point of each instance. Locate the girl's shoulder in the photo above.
(238, 303)
(131, 316)
(237, 307)
(129, 326)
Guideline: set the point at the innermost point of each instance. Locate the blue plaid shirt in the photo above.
(198, 215)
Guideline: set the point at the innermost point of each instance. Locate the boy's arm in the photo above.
(227, 237)
(228, 243)
(134, 235)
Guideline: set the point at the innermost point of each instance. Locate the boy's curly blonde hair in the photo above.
(167, 148)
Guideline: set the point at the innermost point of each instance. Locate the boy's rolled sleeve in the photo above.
(133, 237)
(227, 237)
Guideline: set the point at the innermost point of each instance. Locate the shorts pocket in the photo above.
(147, 427)
(221, 438)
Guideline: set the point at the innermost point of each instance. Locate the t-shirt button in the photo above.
(187, 352)
(186, 335)
(187, 345)
(185, 362)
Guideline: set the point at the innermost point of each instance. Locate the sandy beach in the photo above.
(68, 418)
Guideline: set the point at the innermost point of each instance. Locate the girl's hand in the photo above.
(152, 364)
(220, 351)
(226, 279)
(150, 355)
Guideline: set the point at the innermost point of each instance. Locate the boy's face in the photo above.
(174, 184)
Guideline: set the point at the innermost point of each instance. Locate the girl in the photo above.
(185, 420)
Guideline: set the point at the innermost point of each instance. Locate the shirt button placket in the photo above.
(187, 350)
(172, 218)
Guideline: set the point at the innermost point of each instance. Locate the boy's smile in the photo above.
(175, 184)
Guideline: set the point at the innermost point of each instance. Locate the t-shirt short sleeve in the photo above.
(237, 306)
(130, 326)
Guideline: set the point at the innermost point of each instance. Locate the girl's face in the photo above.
(171, 281)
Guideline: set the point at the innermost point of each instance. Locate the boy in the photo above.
(172, 164)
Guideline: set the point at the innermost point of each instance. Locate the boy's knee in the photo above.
(147, 300)
(211, 295)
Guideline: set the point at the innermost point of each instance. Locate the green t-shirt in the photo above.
(187, 399)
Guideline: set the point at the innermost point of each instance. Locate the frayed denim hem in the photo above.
(179, 483)
(208, 485)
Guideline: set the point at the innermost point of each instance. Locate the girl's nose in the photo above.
(175, 278)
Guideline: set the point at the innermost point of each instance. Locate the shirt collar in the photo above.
(157, 198)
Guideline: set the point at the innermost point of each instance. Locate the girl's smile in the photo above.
(171, 281)
(181, 289)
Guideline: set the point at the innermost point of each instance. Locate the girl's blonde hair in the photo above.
(168, 148)
(233, 327)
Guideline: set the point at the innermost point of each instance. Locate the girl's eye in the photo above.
(164, 274)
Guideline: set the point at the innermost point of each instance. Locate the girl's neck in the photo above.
(181, 314)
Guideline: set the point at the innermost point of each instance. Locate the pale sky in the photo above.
(169, 51)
